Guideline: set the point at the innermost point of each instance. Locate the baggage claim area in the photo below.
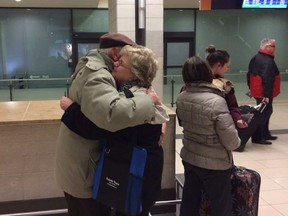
(30, 126)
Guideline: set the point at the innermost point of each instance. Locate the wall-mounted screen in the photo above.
(264, 3)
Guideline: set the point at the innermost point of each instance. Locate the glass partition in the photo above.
(179, 20)
(240, 32)
(83, 48)
(95, 20)
(34, 42)
(36, 49)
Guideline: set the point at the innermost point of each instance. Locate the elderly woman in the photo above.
(133, 74)
(209, 138)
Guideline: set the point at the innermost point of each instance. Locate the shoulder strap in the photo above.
(128, 93)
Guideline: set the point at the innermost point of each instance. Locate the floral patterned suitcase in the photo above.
(245, 193)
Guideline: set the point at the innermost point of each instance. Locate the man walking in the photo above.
(263, 79)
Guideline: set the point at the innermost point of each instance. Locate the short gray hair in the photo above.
(144, 64)
(266, 42)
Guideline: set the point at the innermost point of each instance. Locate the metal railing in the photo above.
(12, 83)
(62, 211)
(172, 79)
(171, 87)
(36, 213)
(176, 81)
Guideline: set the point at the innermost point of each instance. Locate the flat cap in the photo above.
(113, 39)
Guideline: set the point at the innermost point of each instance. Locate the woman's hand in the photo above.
(65, 102)
(163, 134)
(241, 124)
(154, 96)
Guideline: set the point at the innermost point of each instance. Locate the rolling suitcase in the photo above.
(252, 115)
(245, 193)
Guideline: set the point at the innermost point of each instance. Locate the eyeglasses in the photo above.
(123, 64)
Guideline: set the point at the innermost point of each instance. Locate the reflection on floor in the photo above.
(270, 161)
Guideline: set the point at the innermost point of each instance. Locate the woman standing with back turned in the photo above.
(209, 138)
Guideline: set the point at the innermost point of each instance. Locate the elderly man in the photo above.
(263, 79)
(94, 88)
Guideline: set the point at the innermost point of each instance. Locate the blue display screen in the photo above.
(264, 3)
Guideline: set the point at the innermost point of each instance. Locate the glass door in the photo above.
(83, 48)
(177, 48)
(82, 43)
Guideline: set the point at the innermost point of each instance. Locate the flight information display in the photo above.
(264, 3)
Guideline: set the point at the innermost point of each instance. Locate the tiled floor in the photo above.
(270, 161)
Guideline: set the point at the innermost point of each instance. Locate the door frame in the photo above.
(178, 37)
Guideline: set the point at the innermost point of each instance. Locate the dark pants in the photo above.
(262, 132)
(85, 207)
(146, 213)
(216, 183)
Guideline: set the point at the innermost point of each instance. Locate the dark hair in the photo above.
(216, 56)
(196, 69)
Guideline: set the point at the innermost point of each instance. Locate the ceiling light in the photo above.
(18, 0)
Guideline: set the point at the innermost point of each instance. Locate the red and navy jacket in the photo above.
(263, 77)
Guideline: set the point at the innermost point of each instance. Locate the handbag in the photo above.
(119, 177)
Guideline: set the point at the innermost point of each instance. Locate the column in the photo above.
(122, 19)
(154, 38)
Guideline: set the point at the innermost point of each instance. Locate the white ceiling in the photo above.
(87, 3)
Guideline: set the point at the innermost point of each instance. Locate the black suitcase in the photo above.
(252, 115)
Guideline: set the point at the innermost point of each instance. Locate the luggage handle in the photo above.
(261, 106)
